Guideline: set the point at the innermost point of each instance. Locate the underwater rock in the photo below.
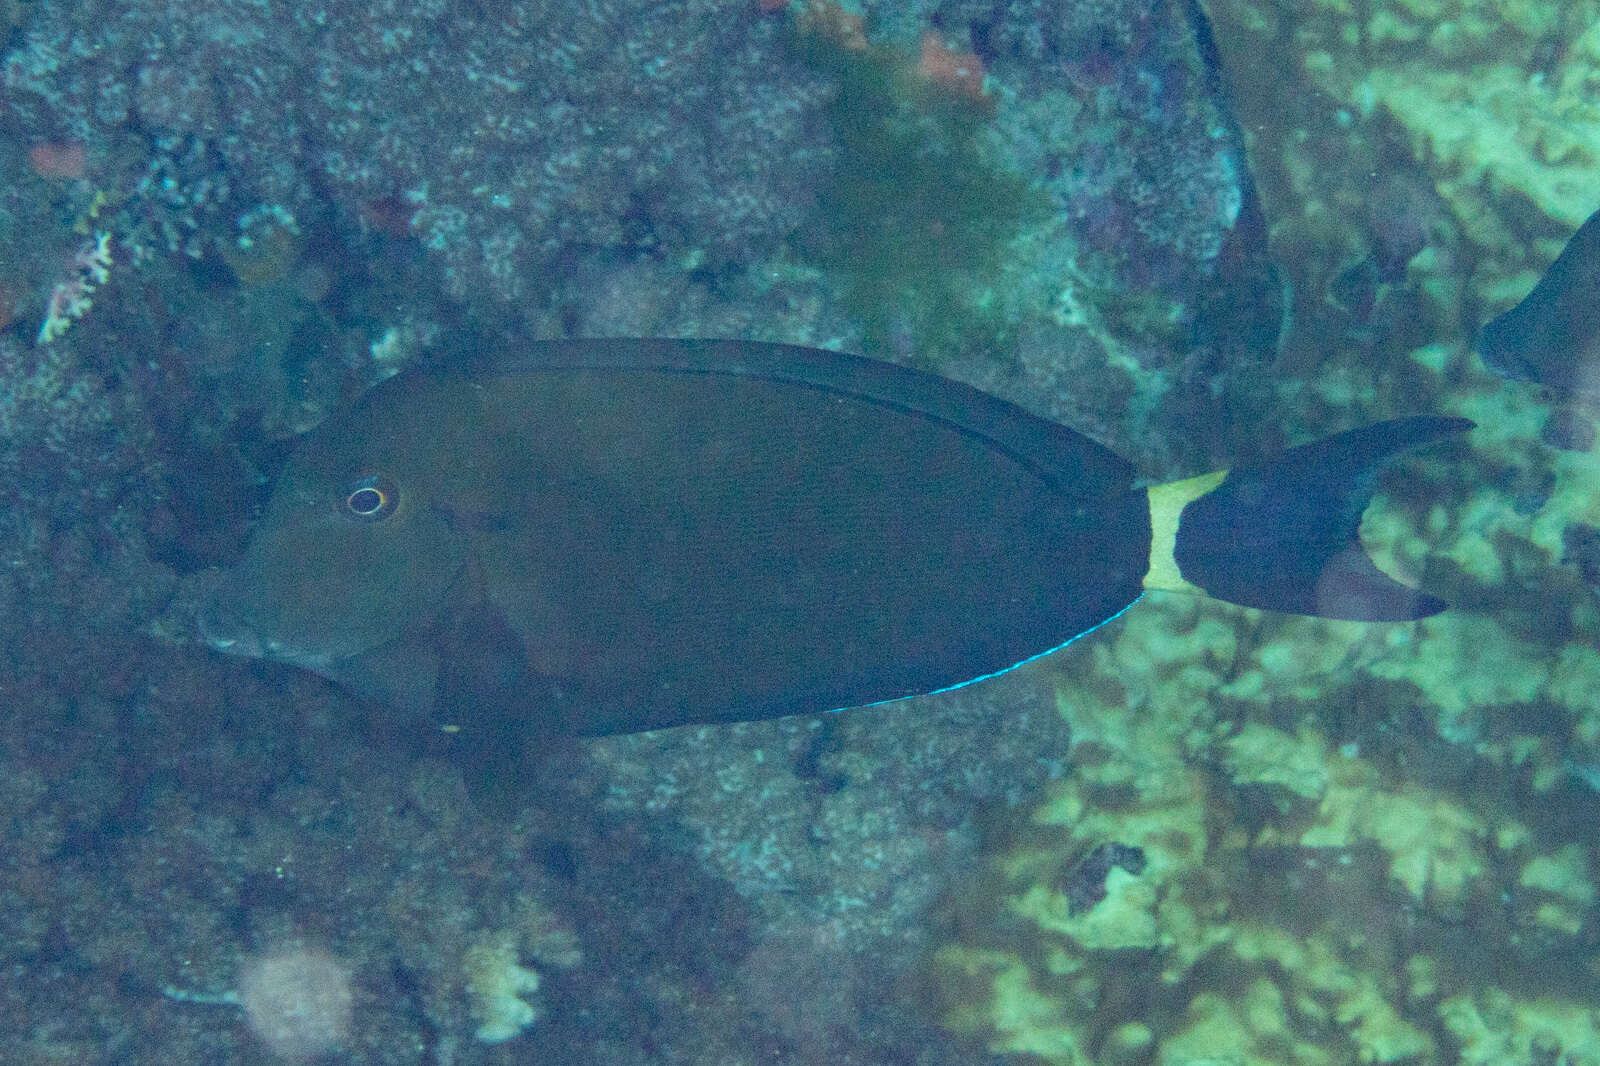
(1085, 883)
(1569, 430)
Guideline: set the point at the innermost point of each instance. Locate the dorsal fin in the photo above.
(1051, 451)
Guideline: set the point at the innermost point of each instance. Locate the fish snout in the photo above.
(225, 633)
(233, 628)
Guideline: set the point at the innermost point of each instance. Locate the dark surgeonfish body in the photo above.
(1553, 335)
(614, 535)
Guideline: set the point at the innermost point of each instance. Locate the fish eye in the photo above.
(371, 497)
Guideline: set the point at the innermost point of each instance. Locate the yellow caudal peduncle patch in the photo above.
(1166, 505)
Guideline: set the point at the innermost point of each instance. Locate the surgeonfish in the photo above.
(605, 536)
(1553, 335)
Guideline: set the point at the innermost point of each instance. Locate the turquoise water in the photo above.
(1199, 834)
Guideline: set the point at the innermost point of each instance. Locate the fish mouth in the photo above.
(225, 634)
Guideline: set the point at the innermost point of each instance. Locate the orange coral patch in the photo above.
(65, 159)
(943, 66)
(845, 28)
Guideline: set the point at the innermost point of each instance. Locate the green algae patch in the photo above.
(1303, 901)
(918, 221)
(1490, 102)
(1458, 138)
(1496, 1029)
(1295, 763)
(1436, 847)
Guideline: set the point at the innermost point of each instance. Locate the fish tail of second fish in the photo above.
(1283, 534)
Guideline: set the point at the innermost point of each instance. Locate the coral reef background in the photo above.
(1193, 232)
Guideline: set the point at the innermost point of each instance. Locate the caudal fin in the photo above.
(1283, 535)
